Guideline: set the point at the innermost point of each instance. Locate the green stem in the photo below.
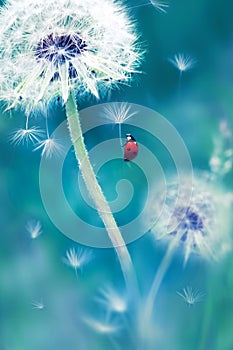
(97, 195)
(162, 269)
(158, 280)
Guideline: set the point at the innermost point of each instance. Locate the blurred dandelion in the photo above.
(38, 305)
(191, 296)
(60, 50)
(112, 300)
(105, 326)
(221, 160)
(183, 63)
(196, 222)
(200, 224)
(77, 258)
(34, 228)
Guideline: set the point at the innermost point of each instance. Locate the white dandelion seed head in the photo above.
(191, 295)
(118, 112)
(50, 147)
(77, 258)
(26, 136)
(34, 228)
(54, 46)
(182, 62)
(113, 301)
(200, 223)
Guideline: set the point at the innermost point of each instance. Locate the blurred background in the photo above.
(44, 303)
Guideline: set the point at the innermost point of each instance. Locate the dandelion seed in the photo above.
(34, 228)
(53, 47)
(182, 62)
(112, 300)
(108, 326)
(160, 5)
(77, 258)
(39, 305)
(118, 113)
(50, 147)
(191, 296)
(26, 136)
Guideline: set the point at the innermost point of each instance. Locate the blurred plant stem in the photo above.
(159, 276)
(97, 195)
(207, 317)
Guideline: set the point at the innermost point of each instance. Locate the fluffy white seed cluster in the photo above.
(200, 222)
(49, 47)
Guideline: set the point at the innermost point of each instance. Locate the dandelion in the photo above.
(34, 228)
(200, 225)
(191, 296)
(196, 223)
(60, 49)
(38, 305)
(52, 48)
(114, 301)
(221, 160)
(182, 62)
(77, 258)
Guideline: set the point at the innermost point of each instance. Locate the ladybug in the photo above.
(131, 148)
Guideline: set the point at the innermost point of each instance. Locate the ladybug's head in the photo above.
(130, 137)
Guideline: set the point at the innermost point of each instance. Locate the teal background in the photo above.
(33, 269)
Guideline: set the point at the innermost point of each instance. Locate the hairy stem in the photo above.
(97, 195)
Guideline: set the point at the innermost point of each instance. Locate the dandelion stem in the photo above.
(26, 126)
(120, 134)
(163, 267)
(158, 280)
(46, 126)
(97, 195)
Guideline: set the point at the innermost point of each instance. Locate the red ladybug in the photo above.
(131, 148)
